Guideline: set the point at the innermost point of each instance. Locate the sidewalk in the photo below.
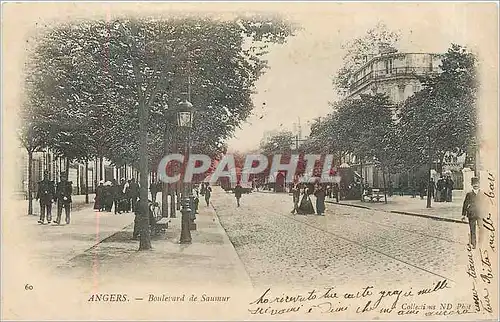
(210, 261)
(406, 205)
(53, 245)
(78, 203)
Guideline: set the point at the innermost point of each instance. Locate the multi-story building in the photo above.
(396, 75)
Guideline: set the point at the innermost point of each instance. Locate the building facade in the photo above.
(394, 74)
(48, 161)
(397, 75)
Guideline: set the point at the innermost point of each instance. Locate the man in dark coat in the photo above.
(336, 191)
(296, 198)
(63, 196)
(472, 209)
(46, 193)
(449, 188)
(118, 196)
(432, 187)
(320, 194)
(208, 194)
(238, 190)
(133, 193)
(154, 188)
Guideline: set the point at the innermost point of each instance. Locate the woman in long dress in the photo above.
(306, 206)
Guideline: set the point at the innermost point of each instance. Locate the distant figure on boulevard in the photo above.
(237, 193)
(45, 195)
(133, 193)
(472, 210)
(196, 199)
(305, 206)
(154, 188)
(208, 194)
(440, 190)
(449, 188)
(63, 197)
(99, 196)
(118, 196)
(296, 198)
(336, 191)
(320, 194)
(432, 188)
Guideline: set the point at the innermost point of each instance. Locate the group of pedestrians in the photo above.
(123, 196)
(302, 203)
(48, 193)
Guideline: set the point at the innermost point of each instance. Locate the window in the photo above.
(388, 66)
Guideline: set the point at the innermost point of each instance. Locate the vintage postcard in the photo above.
(250, 161)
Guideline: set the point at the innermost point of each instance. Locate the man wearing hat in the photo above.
(63, 197)
(472, 209)
(45, 195)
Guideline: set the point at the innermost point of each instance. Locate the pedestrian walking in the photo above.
(421, 189)
(237, 193)
(305, 206)
(320, 194)
(118, 196)
(63, 197)
(391, 189)
(296, 198)
(472, 210)
(336, 191)
(440, 190)
(153, 188)
(196, 200)
(45, 195)
(108, 196)
(99, 197)
(133, 193)
(208, 194)
(449, 188)
(432, 188)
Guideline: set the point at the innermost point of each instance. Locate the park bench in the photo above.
(375, 195)
(159, 224)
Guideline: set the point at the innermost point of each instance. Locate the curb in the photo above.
(226, 237)
(402, 213)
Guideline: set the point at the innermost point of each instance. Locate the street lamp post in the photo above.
(185, 120)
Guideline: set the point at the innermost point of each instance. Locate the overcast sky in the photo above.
(298, 84)
(299, 81)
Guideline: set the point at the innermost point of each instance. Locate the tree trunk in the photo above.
(429, 164)
(145, 239)
(164, 199)
(385, 185)
(362, 184)
(30, 182)
(87, 181)
(78, 178)
(165, 188)
(101, 168)
(95, 173)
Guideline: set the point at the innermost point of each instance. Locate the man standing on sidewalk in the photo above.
(63, 197)
(296, 198)
(134, 193)
(320, 194)
(237, 193)
(45, 195)
(208, 194)
(472, 209)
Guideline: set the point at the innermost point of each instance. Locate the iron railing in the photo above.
(394, 72)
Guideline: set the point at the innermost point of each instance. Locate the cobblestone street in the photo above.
(348, 245)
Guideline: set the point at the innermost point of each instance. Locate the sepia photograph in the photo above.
(250, 161)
